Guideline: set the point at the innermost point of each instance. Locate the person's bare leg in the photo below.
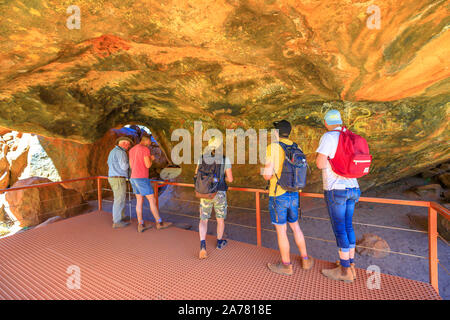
(139, 203)
(220, 228)
(352, 253)
(153, 207)
(299, 238)
(283, 243)
(344, 255)
(203, 229)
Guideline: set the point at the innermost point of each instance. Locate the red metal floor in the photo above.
(164, 264)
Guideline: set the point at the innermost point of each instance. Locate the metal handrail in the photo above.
(433, 209)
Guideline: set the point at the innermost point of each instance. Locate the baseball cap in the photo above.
(283, 126)
(333, 117)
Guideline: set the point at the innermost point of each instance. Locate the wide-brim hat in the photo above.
(124, 138)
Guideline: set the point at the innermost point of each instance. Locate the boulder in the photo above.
(431, 173)
(429, 192)
(372, 245)
(71, 160)
(34, 206)
(443, 226)
(446, 195)
(3, 214)
(17, 158)
(4, 131)
(418, 222)
(4, 167)
(4, 179)
(445, 179)
(9, 136)
(445, 167)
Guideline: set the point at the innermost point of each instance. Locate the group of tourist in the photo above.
(341, 193)
(138, 161)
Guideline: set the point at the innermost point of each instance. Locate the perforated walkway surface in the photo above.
(164, 264)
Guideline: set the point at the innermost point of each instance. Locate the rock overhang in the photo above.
(233, 64)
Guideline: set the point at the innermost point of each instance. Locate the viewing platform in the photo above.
(164, 264)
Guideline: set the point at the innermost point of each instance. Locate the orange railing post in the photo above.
(99, 193)
(432, 248)
(258, 220)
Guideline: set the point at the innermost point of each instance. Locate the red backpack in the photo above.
(352, 158)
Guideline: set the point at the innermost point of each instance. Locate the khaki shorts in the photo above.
(219, 202)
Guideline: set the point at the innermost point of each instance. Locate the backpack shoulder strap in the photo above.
(283, 146)
(222, 168)
(343, 129)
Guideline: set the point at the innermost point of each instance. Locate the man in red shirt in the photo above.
(140, 163)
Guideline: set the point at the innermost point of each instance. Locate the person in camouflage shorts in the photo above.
(219, 203)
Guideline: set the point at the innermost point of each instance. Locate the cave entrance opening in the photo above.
(22, 158)
(162, 168)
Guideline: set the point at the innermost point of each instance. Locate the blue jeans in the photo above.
(341, 204)
(119, 188)
(284, 208)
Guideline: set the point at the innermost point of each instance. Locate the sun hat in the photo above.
(124, 138)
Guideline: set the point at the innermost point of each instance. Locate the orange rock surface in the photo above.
(232, 63)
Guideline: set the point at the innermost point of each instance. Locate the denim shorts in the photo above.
(284, 208)
(141, 186)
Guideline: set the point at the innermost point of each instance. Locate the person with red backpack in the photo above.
(342, 156)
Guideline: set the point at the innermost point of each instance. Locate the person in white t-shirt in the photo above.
(341, 195)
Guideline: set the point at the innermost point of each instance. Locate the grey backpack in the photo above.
(208, 178)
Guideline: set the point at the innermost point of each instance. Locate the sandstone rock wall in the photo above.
(232, 64)
(33, 206)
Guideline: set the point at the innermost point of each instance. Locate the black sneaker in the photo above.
(221, 243)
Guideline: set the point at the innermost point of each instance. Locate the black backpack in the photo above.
(208, 179)
(293, 174)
